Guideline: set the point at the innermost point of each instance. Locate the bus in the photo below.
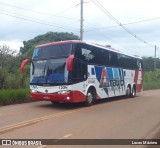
(75, 71)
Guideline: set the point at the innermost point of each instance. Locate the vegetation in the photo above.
(152, 80)
(148, 63)
(14, 86)
(14, 96)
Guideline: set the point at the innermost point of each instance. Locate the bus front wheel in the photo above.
(90, 98)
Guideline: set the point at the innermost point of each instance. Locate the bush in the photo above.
(152, 80)
(14, 96)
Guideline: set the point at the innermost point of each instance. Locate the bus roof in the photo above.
(92, 44)
(60, 42)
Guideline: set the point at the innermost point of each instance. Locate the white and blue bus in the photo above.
(76, 71)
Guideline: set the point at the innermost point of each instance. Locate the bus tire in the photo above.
(128, 91)
(90, 98)
(133, 93)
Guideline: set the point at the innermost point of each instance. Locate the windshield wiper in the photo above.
(44, 71)
(38, 59)
(62, 56)
(33, 67)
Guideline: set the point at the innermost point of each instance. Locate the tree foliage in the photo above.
(148, 63)
(45, 38)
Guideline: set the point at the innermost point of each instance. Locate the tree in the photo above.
(148, 63)
(48, 37)
(5, 54)
(9, 68)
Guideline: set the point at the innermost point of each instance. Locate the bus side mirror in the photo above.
(70, 62)
(23, 65)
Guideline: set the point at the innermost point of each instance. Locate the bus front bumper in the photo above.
(73, 96)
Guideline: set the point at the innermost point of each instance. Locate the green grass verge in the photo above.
(152, 80)
(151, 85)
(14, 96)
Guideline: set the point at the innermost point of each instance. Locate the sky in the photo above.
(128, 26)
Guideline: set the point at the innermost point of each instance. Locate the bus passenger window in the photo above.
(79, 71)
(113, 61)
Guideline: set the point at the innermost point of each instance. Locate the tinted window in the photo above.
(52, 51)
(91, 54)
(102, 57)
(128, 62)
(85, 52)
(49, 71)
(113, 61)
(98, 56)
(79, 71)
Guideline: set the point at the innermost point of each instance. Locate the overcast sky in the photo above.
(21, 20)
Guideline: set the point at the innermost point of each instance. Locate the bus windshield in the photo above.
(49, 71)
(49, 64)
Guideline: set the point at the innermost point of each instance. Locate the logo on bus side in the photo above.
(110, 79)
(87, 54)
(105, 82)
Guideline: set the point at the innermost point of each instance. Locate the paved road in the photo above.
(119, 118)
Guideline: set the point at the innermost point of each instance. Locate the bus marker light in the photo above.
(33, 91)
(68, 98)
(70, 62)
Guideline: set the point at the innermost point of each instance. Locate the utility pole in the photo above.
(81, 26)
(155, 58)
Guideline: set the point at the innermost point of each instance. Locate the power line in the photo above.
(112, 40)
(131, 23)
(48, 14)
(41, 21)
(38, 21)
(27, 17)
(102, 8)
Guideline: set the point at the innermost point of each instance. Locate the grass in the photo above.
(152, 80)
(14, 96)
(151, 85)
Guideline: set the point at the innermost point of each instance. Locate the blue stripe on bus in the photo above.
(116, 73)
(98, 72)
(110, 73)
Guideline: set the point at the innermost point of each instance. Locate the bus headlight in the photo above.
(33, 91)
(64, 92)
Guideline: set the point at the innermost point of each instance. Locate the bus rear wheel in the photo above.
(133, 93)
(90, 98)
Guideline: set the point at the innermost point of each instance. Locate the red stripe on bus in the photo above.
(139, 87)
(136, 76)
